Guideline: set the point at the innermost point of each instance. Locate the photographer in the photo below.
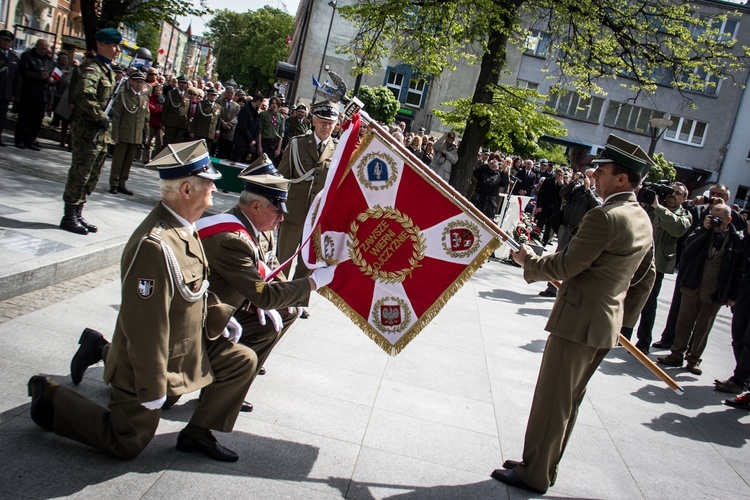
(446, 155)
(669, 223)
(699, 207)
(710, 270)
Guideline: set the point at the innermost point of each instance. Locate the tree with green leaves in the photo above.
(110, 13)
(591, 40)
(249, 45)
(661, 169)
(149, 36)
(380, 103)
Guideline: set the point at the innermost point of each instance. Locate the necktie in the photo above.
(321, 147)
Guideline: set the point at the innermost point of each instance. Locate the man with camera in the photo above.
(669, 223)
(699, 207)
(710, 273)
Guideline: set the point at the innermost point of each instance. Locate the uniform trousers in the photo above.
(126, 427)
(122, 161)
(648, 314)
(741, 338)
(566, 369)
(290, 238)
(86, 163)
(224, 149)
(674, 311)
(263, 338)
(693, 326)
(173, 135)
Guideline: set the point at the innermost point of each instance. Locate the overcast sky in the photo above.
(235, 5)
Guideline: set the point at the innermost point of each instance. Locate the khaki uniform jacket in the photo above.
(228, 114)
(302, 193)
(206, 120)
(176, 112)
(234, 273)
(607, 271)
(131, 117)
(159, 344)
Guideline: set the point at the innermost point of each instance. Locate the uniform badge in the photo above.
(391, 315)
(377, 170)
(145, 288)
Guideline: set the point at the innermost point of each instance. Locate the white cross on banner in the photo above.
(403, 244)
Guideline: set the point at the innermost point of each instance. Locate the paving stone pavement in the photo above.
(335, 417)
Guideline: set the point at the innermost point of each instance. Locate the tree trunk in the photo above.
(493, 61)
(90, 20)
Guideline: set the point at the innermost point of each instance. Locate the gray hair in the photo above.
(247, 198)
(170, 188)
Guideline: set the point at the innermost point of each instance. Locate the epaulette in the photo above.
(155, 233)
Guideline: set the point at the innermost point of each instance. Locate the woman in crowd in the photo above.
(155, 106)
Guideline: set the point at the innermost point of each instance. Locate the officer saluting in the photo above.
(89, 130)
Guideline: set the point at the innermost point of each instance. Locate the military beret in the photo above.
(7, 35)
(108, 35)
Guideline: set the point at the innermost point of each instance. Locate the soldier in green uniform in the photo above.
(206, 119)
(89, 130)
(129, 130)
(175, 118)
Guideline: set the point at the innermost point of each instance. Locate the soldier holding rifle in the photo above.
(89, 130)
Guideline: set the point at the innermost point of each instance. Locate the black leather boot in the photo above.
(89, 227)
(70, 220)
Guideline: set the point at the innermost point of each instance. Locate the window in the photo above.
(537, 43)
(629, 117)
(394, 82)
(725, 29)
(416, 92)
(743, 196)
(3, 8)
(686, 131)
(523, 84)
(573, 105)
(702, 82)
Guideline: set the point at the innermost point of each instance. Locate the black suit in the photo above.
(527, 179)
(245, 133)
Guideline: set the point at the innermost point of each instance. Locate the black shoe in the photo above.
(262, 370)
(90, 352)
(170, 402)
(509, 477)
(547, 293)
(112, 189)
(124, 190)
(511, 464)
(79, 213)
(304, 314)
(42, 412)
(70, 221)
(662, 345)
(246, 407)
(20, 146)
(207, 445)
(641, 348)
(729, 386)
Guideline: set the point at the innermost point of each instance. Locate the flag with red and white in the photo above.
(57, 73)
(402, 243)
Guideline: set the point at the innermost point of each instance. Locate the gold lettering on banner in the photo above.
(391, 246)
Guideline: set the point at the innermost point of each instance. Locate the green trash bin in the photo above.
(229, 171)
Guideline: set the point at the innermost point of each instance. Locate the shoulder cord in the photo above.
(200, 109)
(175, 274)
(171, 101)
(302, 176)
(125, 104)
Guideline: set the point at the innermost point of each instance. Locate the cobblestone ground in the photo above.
(32, 301)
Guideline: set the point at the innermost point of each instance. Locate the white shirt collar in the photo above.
(255, 229)
(181, 220)
(615, 194)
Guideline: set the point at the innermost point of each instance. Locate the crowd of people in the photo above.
(212, 327)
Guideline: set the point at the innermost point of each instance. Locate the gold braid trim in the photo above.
(429, 315)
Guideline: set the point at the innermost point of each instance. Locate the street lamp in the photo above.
(658, 127)
(331, 4)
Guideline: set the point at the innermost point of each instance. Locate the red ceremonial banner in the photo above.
(402, 244)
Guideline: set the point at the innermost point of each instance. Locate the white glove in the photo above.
(278, 323)
(155, 405)
(323, 276)
(233, 331)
